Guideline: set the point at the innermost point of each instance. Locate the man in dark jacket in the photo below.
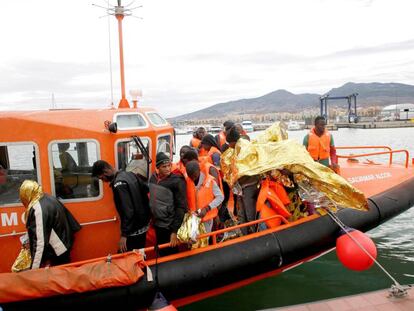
(131, 202)
(50, 226)
(248, 190)
(168, 203)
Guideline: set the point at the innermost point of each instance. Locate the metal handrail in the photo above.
(391, 152)
(14, 233)
(99, 221)
(364, 147)
(247, 224)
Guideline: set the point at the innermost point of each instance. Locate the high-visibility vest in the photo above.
(178, 167)
(205, 166)
(222, 139)
(319, 146)
(195, 142)
(202, 197)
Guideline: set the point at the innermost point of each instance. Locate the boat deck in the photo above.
(372, 301)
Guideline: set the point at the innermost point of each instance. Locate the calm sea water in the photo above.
(325, 277)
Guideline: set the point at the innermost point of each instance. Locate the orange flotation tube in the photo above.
(123, 269)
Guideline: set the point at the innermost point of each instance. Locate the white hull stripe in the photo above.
(40, 239)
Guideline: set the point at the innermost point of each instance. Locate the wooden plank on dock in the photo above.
(371, 301)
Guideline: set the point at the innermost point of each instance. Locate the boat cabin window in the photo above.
(130, 121)
(156, 119)
(130, 157)
(164, 144)
(72, 169)
(17, 163)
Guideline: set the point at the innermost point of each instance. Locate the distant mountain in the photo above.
(284, 101)
(377, 93)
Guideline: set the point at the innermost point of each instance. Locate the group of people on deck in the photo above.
(193, 184)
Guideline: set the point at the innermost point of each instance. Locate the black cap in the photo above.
(161, 159)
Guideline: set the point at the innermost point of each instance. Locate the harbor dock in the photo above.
(371, 301)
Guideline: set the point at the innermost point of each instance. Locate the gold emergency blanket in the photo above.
(23, 261)
(190, 229)
(271, 150)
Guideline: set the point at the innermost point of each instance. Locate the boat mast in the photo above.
(119, 14)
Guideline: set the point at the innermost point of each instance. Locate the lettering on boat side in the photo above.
(9, 220)
(365, 178)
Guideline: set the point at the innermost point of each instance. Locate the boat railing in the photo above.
(389, 151)
(214, 234)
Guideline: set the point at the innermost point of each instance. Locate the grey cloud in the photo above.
(361, 51)
(171, 102)
(40, 75)
(45, 102)
(269, 58)
(259, 58)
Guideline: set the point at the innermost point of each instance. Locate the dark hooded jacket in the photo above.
(51, 229)
(168, 201)
(131, 202)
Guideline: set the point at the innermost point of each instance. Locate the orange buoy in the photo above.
(350, 253)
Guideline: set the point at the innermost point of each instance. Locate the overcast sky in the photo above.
(189, 54)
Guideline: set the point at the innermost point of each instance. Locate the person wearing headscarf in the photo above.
(210, 149)
(50, 226)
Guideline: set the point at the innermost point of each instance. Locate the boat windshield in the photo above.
(130, 157)
(72, 169)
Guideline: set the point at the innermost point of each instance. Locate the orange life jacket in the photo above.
(203, 153)
(319, 146)
(178, 167)
(205, 166)
(195, 142)
(222, 139)
(213, 150)
(275, 194)
(202, 197)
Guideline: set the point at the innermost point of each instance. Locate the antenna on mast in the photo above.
(53, 101)
(119, 12)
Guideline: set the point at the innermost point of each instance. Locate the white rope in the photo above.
(343, 227)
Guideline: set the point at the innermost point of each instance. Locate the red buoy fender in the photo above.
(350, 253)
